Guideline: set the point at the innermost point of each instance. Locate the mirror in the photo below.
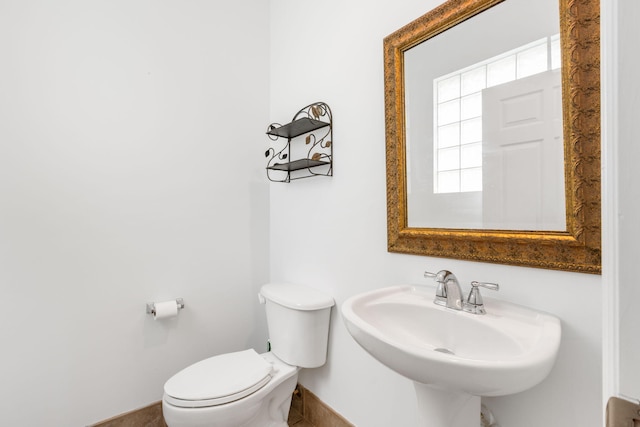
(484, 129)
(493, 136)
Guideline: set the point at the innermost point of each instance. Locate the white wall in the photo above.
(129, 172)
(330, 233)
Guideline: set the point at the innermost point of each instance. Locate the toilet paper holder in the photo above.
(151, 306)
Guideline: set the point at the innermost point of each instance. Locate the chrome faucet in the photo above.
(449, 293)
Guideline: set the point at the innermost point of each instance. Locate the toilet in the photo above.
(247, 389)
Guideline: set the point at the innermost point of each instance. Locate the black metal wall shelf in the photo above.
(316, 122)
(297, 128)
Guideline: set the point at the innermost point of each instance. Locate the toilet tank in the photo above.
(298, 321)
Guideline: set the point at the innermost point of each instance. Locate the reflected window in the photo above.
(458, 110)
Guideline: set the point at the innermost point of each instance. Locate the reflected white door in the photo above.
(523, 155)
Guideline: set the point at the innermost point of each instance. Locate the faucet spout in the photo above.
(448, 292)
(454, 293)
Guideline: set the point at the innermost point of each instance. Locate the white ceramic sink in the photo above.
(508, 350)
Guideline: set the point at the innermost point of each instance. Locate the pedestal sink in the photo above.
(453, 357)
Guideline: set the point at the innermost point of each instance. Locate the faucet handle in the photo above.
(440, 276)
(492, 286)
(441, 290)
(474, 303)
(429, 275)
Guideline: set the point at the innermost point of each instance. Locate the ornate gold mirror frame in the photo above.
(578, 248)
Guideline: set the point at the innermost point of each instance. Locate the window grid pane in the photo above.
(449, 159)
(471, 155)
(449, 89)
(501, 71)
(471, 106)
(449, 135)
(473, 81)
(471, 131)
(532, 61)
(449, 112)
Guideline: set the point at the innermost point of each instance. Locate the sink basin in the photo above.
(508, 350)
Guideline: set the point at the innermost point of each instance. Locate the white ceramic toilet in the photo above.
(247, 389)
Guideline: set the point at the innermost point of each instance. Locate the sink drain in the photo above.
(444, 350)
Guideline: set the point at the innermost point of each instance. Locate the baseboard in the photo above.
(315, 411)
(622, 413)
(149, 416)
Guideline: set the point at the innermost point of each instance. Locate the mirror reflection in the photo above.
(483, 105)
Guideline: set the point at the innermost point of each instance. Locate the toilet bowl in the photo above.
(247, 389)
(250, 399)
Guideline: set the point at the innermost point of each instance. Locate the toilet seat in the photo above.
(218, 380)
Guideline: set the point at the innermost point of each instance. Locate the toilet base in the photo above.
(267, 407)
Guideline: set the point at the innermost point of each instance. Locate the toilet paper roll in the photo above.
(165, 310)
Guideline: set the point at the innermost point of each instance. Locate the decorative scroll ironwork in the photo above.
(313, 122)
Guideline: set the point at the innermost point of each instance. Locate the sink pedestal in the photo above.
(446, 408)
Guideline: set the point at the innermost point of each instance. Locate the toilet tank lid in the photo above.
(297, 297)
